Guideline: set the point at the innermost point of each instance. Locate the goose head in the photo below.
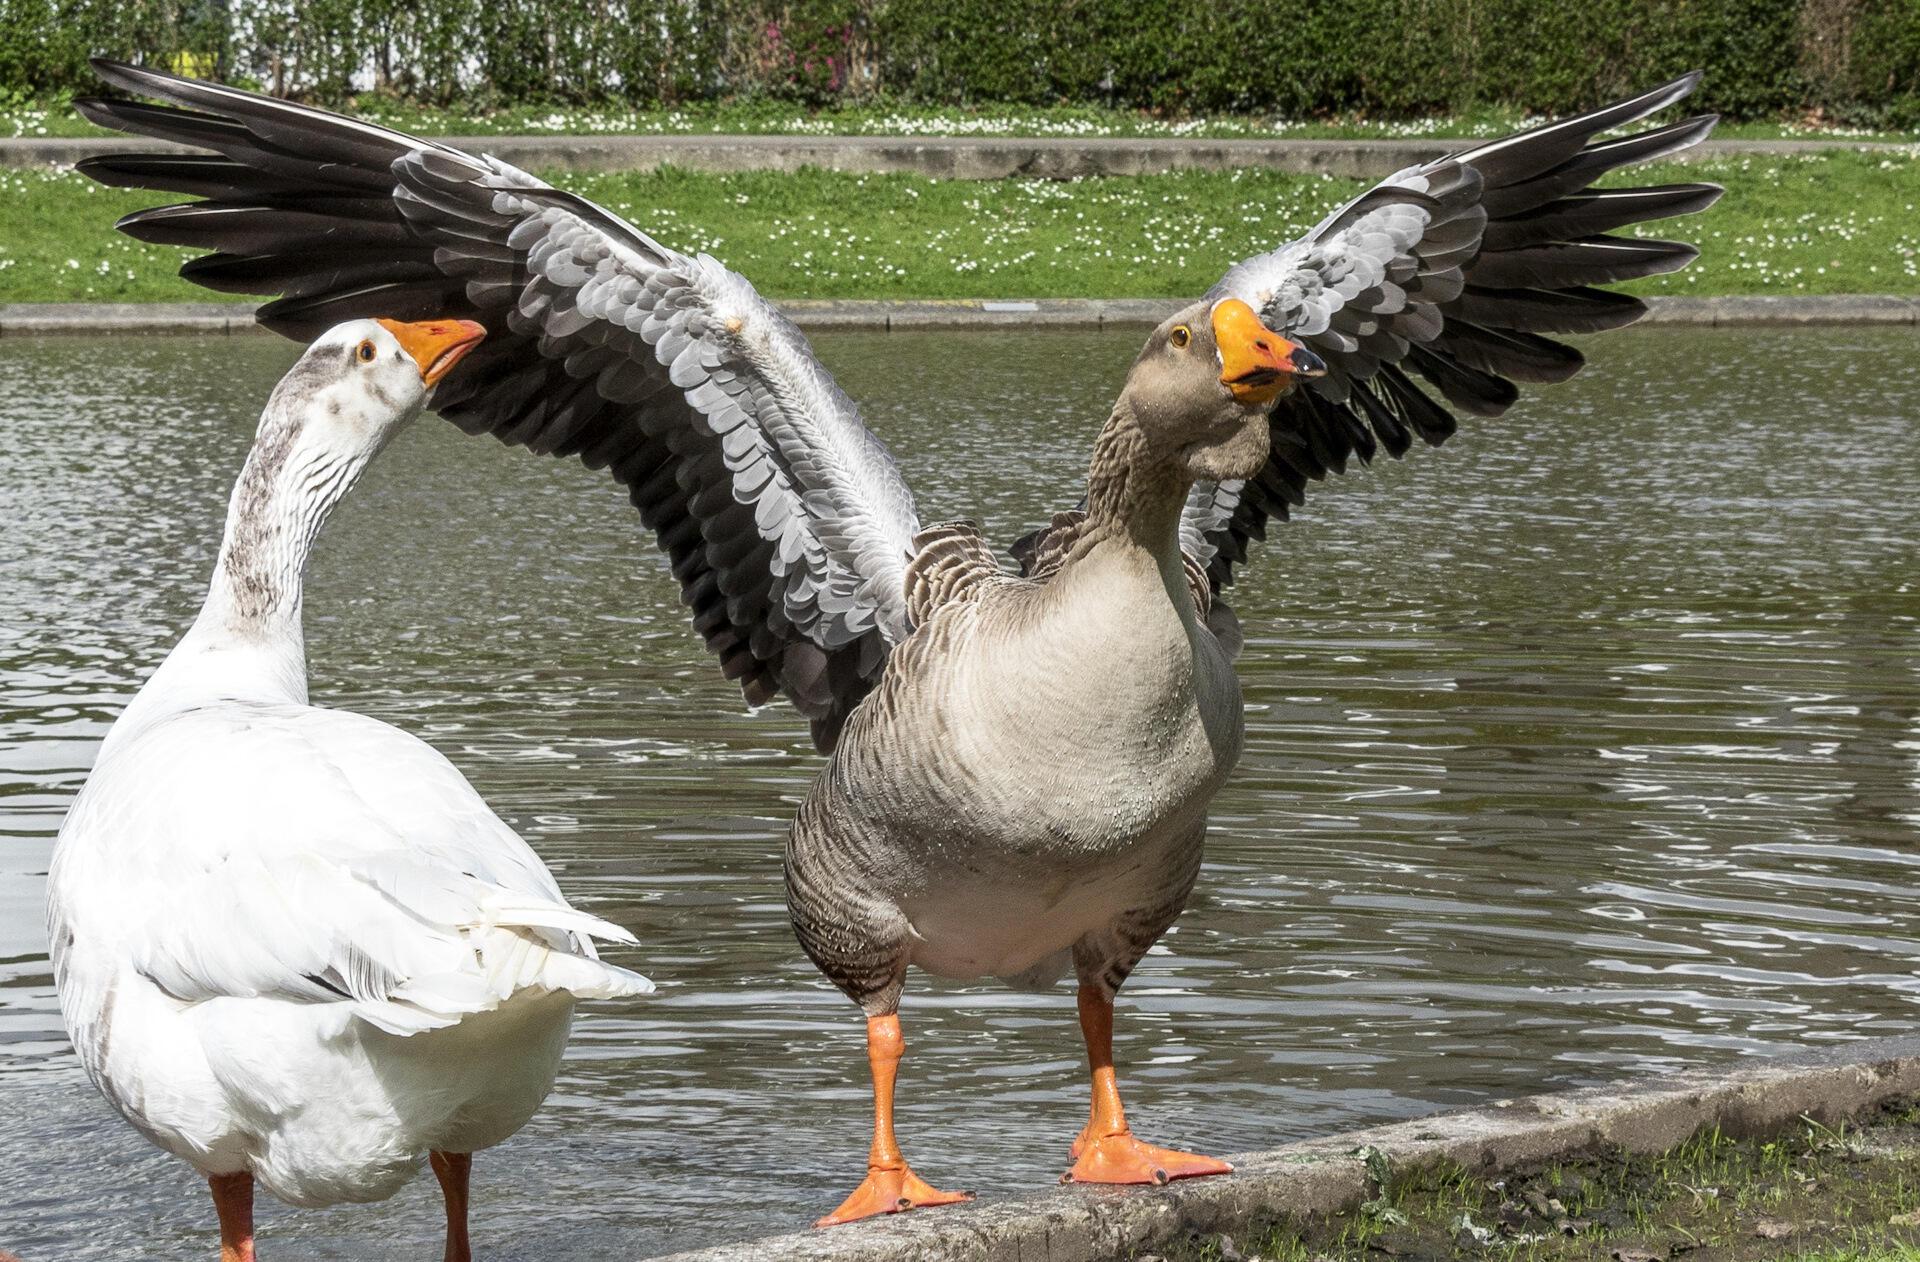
(352, 390)
(359, 382)
(1202, 387)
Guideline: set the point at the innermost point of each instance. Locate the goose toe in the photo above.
(1123, 1159)
(889, 1191)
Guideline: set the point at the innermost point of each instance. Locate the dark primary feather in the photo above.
(783, 519)
(1447, 277)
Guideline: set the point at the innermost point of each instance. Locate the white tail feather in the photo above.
(507, 910)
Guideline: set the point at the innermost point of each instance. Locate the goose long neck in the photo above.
(1135, 495)
(246, 645)
(283, 496)
(247, 641)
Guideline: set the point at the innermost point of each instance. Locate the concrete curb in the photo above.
(1742, 311)
(1761, 310)
(25, 319)
(1324, 1176)
(945, 157)
(30, 319)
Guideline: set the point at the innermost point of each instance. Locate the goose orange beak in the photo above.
(436, 345)
(1257, 364)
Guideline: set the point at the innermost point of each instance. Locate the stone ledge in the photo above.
(942, 157)
(1748, 311)
(1325, 1176)
(1759, 310)
(42, 318)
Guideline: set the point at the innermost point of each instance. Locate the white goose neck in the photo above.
(279, 503)
(247, 643)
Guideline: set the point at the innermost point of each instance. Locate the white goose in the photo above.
(292, 944)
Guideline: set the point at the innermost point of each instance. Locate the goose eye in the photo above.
(1180, 336)
(365, 352)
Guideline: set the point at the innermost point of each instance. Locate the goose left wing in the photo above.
(786, 522)
(1452, 272)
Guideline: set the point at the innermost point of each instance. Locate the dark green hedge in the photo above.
(1847, 60)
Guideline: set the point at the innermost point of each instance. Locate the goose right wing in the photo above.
(786, 522)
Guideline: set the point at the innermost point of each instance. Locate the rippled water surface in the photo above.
(1588, 746)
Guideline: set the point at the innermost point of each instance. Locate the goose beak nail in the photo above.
(1306, 363)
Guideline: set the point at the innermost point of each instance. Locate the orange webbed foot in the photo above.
(889, 1191)
(1123, 1159)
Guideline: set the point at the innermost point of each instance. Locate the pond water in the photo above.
(1586, 747)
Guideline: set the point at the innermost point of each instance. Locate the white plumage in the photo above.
(294, 942)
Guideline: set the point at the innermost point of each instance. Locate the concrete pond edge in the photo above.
(1329, 1175)
(1746, 311)
(947, 157)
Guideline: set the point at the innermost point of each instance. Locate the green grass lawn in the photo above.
(56, 118)
(1840, 222)
(1812, 1194)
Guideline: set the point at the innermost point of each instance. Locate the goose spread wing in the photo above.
(314, 856)
(786, 522)
(1451, 272)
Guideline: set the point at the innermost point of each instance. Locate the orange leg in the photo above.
(233, 1202)
(452, 1169)
(890, 1185)
(1106, 1151)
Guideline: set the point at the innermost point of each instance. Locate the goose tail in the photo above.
(530, 956)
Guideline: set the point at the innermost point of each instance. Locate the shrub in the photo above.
(1851, 60)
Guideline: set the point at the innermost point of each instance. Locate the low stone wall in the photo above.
(1325, 1176)
(950, 157)
(1739, 311)
(53, 318)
